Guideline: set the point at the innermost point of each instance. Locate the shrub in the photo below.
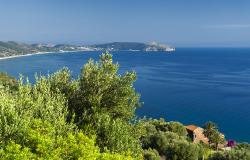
(151, 154)
(15, 151)
(118, 136)
(8, 81)
(234, 154)
(177, 128)
(182, 150)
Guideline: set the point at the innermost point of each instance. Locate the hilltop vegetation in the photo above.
(92, 117)
(134, 46)
(11, 48)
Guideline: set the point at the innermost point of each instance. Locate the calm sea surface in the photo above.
(190, 85)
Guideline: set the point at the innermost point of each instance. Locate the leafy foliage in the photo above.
(235, 154)
(7, 81)
(50, 119)
(102, 89)
(212, 133)
(118, 136)
(170, 140)
(102, 102)
(151, 154)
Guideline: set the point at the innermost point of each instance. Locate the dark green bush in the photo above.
(151, 154)
(8, 81)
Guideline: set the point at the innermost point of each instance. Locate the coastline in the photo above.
(37, 53)
(24, 55)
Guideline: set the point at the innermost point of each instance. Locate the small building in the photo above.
(196, 134)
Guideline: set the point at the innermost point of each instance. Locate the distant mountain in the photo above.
(121, 46)
(133, 46)
(12, 48)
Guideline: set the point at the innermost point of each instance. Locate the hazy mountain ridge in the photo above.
(12, 48)
(136, 46)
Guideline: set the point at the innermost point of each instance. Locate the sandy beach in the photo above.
(31, 54)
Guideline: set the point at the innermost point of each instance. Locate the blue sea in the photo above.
(190, 85)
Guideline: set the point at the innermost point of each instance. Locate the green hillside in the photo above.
(126, 46)
(11, 48)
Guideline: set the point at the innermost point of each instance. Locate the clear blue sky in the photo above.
(176, 22)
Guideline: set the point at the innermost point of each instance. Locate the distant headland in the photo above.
(13, 49)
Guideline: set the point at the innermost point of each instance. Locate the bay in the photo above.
(190, 85)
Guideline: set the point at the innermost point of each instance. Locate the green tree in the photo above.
(151, 154)
(209, 128)
(103, 90)
(162, 125)
(182, 150)
(118, 136)
(177, 128)
(8, 81)
(99, 89)
(243, 145)
(212, 133)
(234, 154)
(33, 125)
(102, 102)
(217, 138)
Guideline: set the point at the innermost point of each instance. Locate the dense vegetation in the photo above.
(8, 81)
(93, 117)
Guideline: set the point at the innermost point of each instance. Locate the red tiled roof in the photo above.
(191, 127)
